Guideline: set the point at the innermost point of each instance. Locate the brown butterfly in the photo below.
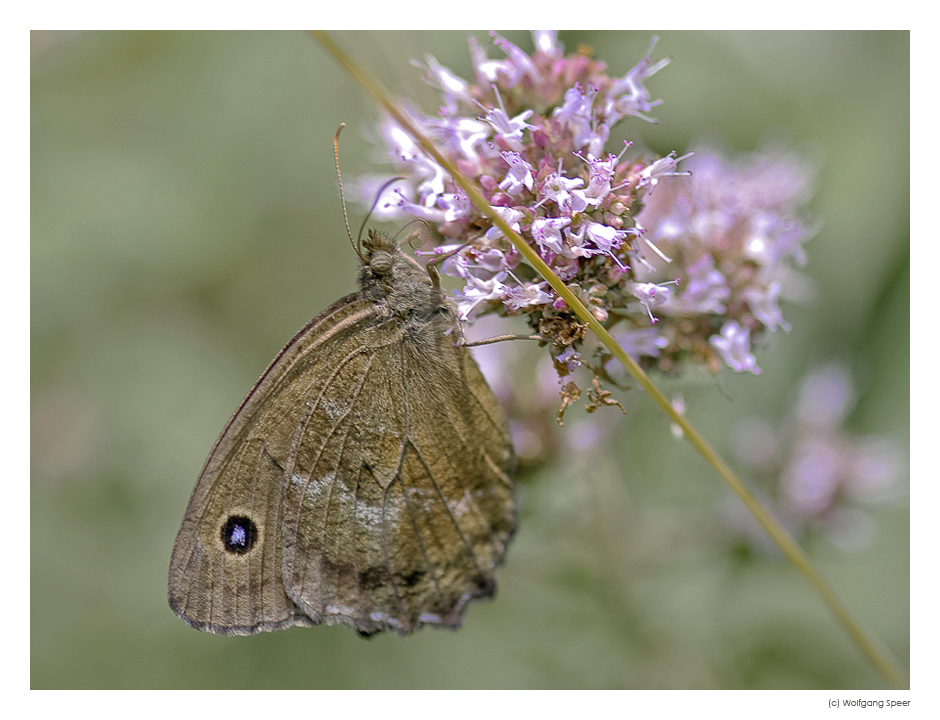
(364, 480)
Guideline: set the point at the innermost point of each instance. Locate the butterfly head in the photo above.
(378, 253)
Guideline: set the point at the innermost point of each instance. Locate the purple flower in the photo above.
(526, 295)
(628, 96)
(431, 214)
(465, 138)
(456, 206)
(491, 260)
(518, 65)
(763, 303)
(547, 233)
(508, 130)
(509, 71)
(577, 113)
(569, 358)
(650, 295)
(706, 289)
(479, 291)
(519, 175)
(820, 475)
(605, 238)
(456, 263)
(826, 396)
(511, 216)
(546, 42)
(662, 168)
(734, 346)
(575, 246)
(811, 480)
(642, 341)
(602, 174)
(454, 88)
(564, 192)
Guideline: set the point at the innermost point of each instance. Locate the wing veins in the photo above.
(478, 511)
(414, 525)
(292, 457)
(388, 564)
(302, 428)
(326, 518)
(329, 497)
(450, 513)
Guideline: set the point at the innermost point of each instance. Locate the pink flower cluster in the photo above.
(680, 267)
(817, 476)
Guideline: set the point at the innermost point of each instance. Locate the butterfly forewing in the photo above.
(242, 593)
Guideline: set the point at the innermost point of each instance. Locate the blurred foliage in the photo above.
(185, 223)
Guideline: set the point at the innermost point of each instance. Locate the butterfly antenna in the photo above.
(413, 221)
(378, 196)
(342, 197)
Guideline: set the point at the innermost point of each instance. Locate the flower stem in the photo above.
(879, 655)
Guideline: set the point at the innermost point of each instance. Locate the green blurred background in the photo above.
(185, 223)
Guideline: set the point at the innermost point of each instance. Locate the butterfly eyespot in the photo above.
(239, 534)
(380, 262)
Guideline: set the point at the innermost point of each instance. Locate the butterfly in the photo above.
(365, 479)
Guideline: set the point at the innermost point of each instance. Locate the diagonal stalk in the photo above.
(876, 652)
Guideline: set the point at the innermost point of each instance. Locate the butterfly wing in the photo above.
(226, 570)
(364, 480)
(401, 513)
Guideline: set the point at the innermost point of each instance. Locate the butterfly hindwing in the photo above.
(388, 522)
